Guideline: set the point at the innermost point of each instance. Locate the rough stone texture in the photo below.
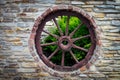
(17, 18)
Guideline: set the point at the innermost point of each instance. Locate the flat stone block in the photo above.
(26, 19)
(112, 38)
(112, 48)
(2, 2)
(113, 15)
(9, 70)
(24, 24)
(105, 6)
(116, 22)
(8, 24)
(50, 78)
(87, 6)
(14, 39)
(28, 64)
(9, 31)
(94, 2)
(113, 2)
(100, 78)
(108, 55)
(104, 23)
(17, 48)
(30, 10)
(107, 33)
(104, 69)
(26, 70)
(115, 30)
(88, 9)
(7, 19)
(99, 15)
(117, 7)
(77, 2)
(106, 10)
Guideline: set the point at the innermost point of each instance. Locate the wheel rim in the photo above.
(64, 37)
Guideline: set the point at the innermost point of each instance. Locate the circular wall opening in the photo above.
(64, 38)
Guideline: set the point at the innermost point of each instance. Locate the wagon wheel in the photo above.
(64, 42)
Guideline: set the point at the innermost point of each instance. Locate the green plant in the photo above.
(85, 42)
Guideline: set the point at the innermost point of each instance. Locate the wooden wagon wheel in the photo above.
(64, 40)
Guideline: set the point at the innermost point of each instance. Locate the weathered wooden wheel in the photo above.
(64, 40)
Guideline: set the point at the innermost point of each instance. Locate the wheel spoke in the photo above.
(80, 48)
(51, 34)
(75, 39)
(76, 29)
(48, 44)
(63, 57)
(53, 53)
(67, 26)
(58, 27)
(74, 56)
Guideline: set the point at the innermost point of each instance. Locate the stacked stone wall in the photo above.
(17, 18)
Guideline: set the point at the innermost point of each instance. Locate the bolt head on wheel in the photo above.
(65, 43)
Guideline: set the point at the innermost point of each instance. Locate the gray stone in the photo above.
(17, 48)
(97, 75)
(112, 48)
(23, 35)
(36, 5)
(117, 1)
(116, 69)
(24, 24)
(107, 33)
(116, 58)
(105, 41)
(105, 69)
(50, 78)
(101, 78)
(112, 58)
(9, 70)
(26, 19)
(26, 70)
(115, 44)
(82, 75)
(116, 22)
(12, 10)
(30, 79)
(95, 2)
(106, 10)
(113, 3)
(7, 19)
(3, 28)
(103, 23)
(2, 42)
(77, 2)
(113, 15)
(17, 78)
(105, 6)
(9, 24)
(45, 1)
(117, 7)
(2, 64)
(115, 66)
(119, 52)
(114, 30)
(86, 79)
(108, 27)
(87, 6)
(10, 15)
(2, 2)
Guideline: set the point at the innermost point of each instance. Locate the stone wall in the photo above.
(17, 18)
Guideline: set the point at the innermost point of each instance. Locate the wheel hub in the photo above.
(65, 43)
